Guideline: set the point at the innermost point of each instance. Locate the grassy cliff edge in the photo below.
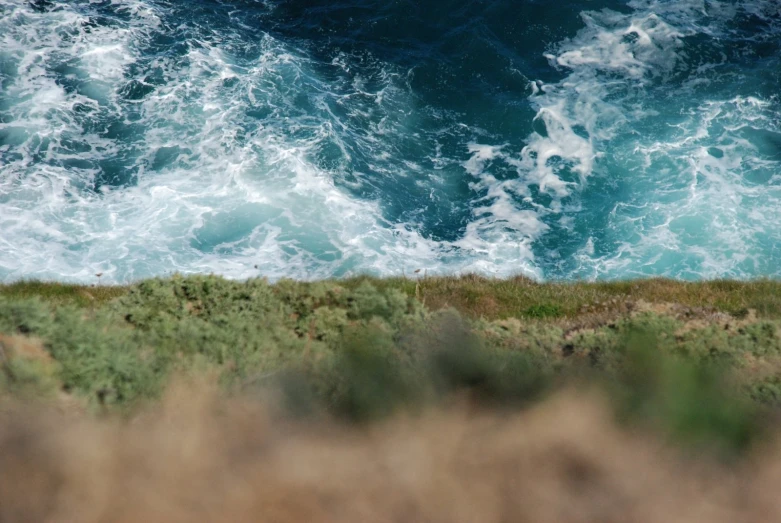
(702, 358)
(438, 399)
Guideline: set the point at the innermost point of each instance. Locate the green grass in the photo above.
(488, 298)
(63, 293)
(479, 297)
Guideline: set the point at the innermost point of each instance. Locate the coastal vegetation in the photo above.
(698, 361)
(389, 399)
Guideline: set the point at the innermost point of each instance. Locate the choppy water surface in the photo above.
(314, 138)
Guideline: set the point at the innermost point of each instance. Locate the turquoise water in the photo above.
(588, 139)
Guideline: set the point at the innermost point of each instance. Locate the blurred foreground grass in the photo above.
(699, 362)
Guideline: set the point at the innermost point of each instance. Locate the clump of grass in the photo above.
(544, 310)
(693, 401)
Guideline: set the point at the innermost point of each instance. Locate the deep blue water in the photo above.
(590, 139)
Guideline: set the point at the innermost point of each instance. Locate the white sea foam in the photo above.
(690, 207)
(238, 159)
(210, 192)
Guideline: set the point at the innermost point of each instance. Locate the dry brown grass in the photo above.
(200, 458)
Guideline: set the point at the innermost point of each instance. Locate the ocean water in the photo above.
(576, 139)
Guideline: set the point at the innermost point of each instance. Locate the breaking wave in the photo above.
(314, 139)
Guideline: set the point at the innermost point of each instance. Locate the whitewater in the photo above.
(598, 139)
